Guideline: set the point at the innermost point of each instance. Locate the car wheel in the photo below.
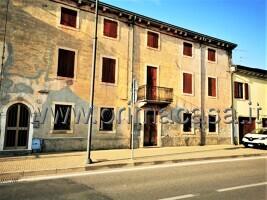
(245, 145)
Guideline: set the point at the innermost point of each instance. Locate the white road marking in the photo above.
(88, 173)
(241, 187)
(180, 197)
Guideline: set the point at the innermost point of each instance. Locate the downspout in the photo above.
(3, 53)
(232, 71)
(202, 95)
(132, 24)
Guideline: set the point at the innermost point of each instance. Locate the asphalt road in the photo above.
(231, 180)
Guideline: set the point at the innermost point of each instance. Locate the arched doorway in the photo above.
(17, 127)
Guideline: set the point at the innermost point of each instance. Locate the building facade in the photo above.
(46, 75)
(250, 99)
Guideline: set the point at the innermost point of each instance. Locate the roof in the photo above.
(170, 29)
(256, 72)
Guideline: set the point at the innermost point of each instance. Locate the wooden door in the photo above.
(17, 127)
(150, 133)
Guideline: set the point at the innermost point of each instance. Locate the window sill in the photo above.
(108, 84)
(111, 38)
(212, 97)
(106, 132)
(61, 132)
(152, 48)
(188, 94)
(69, 27)
(185, 56)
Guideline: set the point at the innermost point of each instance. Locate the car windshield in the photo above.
(260, 131)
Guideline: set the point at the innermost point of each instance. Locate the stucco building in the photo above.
(47, 67)
(250, 99)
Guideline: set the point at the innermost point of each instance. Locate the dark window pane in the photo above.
(108, 70)
(63, 112)
(10, 138)
(212, 125)
(66, 62)
(187, 126)
(106, 116)
(22, 137)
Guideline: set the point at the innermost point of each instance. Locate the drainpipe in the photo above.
(4, 48)
(202, 95)
(232, 71)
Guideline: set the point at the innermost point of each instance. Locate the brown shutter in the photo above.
(152, 39)
(212, 87)
(236, 89)
(68, 17)
(108, 70)
(187, 83)
(213, 83)
(187, 50)
(110, 28)
(211, 55)
(246, 91)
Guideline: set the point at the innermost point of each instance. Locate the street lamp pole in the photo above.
(90, 123)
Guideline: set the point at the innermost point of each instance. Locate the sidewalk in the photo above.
(13, 168)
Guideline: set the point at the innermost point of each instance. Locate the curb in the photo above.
(15, 176)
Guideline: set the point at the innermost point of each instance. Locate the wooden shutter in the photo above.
(110, 28)
(68, 17)
(66, 62)
(246, 91)
(236, 90)
(187, 49)
(212, 87)
(152, 39)
(108, 70)
(211, 55)
(187, 83)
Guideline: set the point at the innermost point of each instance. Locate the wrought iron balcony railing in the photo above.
(155, 94)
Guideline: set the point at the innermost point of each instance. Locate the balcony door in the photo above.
(151, 83)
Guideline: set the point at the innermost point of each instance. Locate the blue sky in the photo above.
(239, 21)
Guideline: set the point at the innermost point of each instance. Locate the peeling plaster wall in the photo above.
(33, 38)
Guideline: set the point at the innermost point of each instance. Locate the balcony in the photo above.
(155, 94)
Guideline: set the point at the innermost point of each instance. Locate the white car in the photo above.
(257, 138)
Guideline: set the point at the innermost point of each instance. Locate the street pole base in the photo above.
(89, 161)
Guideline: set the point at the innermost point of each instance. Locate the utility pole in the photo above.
(90, 124)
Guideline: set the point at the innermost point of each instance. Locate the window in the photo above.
(188, 125)
(108, 70)
(66, 62)
(238, 90)
(68, 17)
(212, 87)
(264, 122)
(187, 50)
(211, 55)
(63, 112)
(152, 39)
(106, 119)
(246, 91)
(110, 28)
(212, 123)
(187, 83)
